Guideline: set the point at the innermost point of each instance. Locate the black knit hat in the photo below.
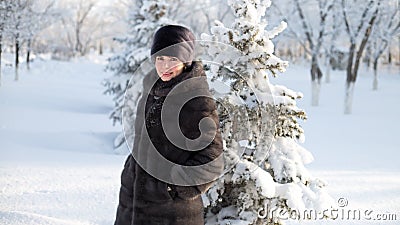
(174, 40)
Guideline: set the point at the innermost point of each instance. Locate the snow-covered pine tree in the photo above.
(145, 17)
(261, 132)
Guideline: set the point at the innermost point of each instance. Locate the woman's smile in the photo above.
(167, 74)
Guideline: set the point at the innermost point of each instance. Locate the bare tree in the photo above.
(23, 20)
(308, 22)
(387, 26)
(358, 31)
(330, 46)
(5, 10)
(315, 42)
(201, 15)
(40, 15)
(107, 22)
(19, 23)
(75, 23)
(82, 13)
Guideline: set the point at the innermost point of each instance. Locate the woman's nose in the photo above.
(167, 65)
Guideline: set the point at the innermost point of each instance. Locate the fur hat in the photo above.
(174, 40)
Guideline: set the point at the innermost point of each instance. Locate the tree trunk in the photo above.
(328, 75)
(101, 48)
(367, 57)
(350, 81)
(375, 82)
(390, 57)
(355, 57)
(77, 41)
(316, 87)
(316, 76)
(352, 71)
(348, 102)
(328, 70)
(28, 60)
(16, 58)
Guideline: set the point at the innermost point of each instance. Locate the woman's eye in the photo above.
(160, 58)
(174, 59)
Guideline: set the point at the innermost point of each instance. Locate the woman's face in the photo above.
(168, 67)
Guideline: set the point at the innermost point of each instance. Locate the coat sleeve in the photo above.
(199, 108)
(125, 204)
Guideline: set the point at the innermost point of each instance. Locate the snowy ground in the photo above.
(56, 159)
(57, 165)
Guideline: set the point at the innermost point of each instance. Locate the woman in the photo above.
(157, 193)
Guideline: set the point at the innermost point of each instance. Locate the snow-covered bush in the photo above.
(144, 20)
